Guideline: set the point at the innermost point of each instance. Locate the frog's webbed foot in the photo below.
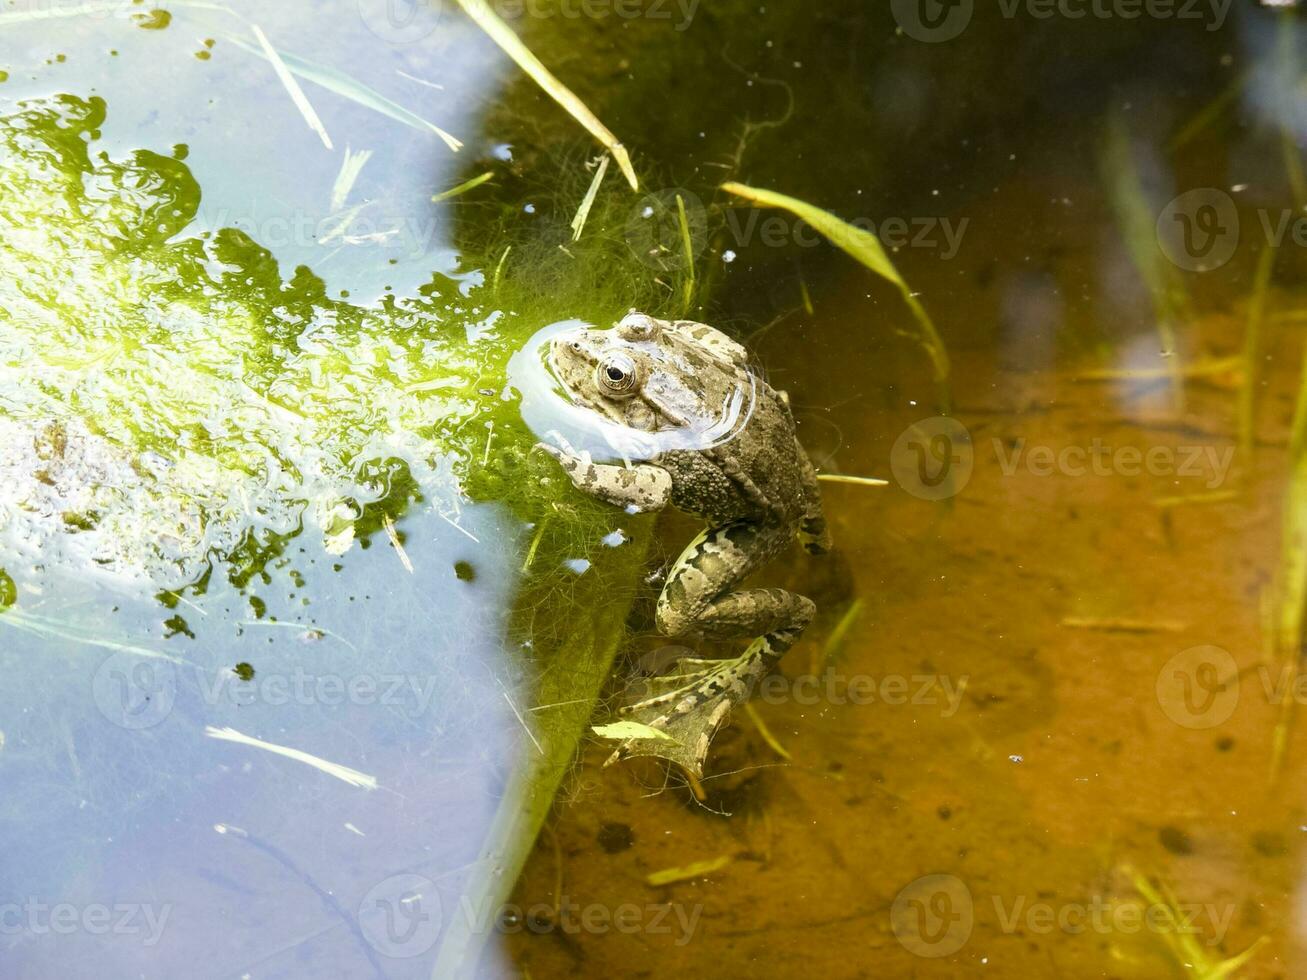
(689, 705)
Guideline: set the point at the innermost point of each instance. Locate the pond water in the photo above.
(302, 644)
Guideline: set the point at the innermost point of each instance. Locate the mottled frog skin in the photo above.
(750, 481)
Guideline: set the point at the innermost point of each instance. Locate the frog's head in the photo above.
(649, 375)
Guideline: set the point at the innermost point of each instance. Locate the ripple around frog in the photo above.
(551, 414)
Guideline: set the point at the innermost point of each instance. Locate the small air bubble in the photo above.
(728, 256)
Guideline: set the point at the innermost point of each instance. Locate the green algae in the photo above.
(204, 400)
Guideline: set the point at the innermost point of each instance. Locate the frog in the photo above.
(750, 481)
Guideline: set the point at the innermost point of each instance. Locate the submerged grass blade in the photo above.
(40, 626)
(1209, 114)
(857, 481)
(587, 202)
(1289, 595)
(1180, 500)
(344, 773)
(352, 89)
(421, 81)
(462, 188)
(350, 168)
(1209, 367)
(499, 267)
(1252, 350)
(329, 78)
(670, 876)
(772, 741)
(392, 533)
(512, 45)
(687, 245)
(1287, 80)
(292, 87)
(1188, 953)
(343, 221)
(1137, 220)
(830, 650)
(866, 248)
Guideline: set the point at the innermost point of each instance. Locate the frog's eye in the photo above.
(617, 376)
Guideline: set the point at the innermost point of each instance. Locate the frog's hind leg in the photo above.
(697, 597)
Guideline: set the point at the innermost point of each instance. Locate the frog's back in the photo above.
(754, 476)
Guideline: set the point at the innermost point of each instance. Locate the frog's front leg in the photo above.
(638, 489)
(698, 597)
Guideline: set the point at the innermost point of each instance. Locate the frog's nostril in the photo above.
(576, 346)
